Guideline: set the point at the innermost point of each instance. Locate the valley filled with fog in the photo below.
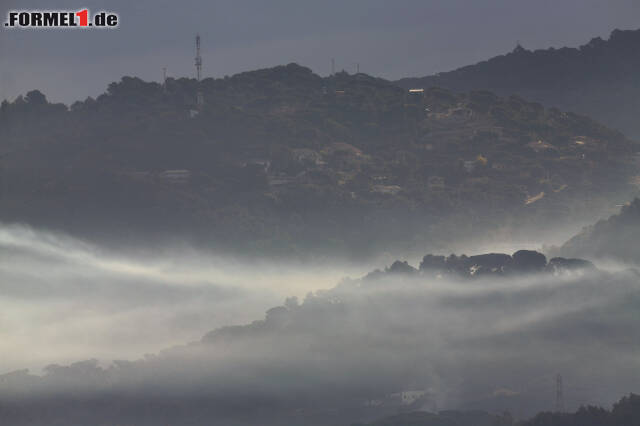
(302, 341)
(64, 300)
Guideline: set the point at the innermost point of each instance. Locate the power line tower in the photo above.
(199, 96)
(559, 394)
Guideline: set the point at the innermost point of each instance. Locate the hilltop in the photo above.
(282, 160)
(599, 79)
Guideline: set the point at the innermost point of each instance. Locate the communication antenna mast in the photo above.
(199, 96)
(333, 66)
(559, 395)
(198, 58)
(164, 77)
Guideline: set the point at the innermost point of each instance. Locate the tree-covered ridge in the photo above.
(615, 238)
(625, 412)
(599, 79)
(483, 265)
(281, 156)
(444, 418)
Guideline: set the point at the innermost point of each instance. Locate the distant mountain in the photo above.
(281, 160)
(615, 238)
(600, 79)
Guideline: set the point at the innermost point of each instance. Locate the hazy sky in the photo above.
(391, 39)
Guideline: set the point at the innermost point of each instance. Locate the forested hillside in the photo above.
(600, 79)
(615, 238)
(625, 412)
(284, 160)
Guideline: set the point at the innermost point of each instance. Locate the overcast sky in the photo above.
(391, 39)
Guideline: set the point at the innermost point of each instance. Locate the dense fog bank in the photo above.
(494, 340)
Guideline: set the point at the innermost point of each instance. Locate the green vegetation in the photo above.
(626, 412)
(282, 159)
(598, 79)
(444, 418)
(615, 238)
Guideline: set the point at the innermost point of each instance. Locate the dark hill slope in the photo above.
(283, 159)
(443, 418)
(624, 412)
(600, 79)
(616, 238)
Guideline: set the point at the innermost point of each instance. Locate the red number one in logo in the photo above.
(84, 17)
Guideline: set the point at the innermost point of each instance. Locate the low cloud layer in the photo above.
(492, 343)
(64, 300)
